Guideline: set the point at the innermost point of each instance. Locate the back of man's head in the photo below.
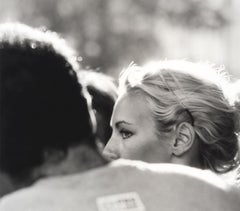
(43, 107)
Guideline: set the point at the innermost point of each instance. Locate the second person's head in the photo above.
(174, 112)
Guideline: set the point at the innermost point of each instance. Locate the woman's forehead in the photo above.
(132, 109)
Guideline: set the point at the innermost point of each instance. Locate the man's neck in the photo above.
(78, 159)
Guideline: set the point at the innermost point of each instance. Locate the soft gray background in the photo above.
(109, 34)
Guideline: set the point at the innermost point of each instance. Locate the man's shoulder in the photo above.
(122, 183)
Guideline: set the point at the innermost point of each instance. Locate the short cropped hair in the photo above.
(103, 91)
(43, 106)
(178, 91)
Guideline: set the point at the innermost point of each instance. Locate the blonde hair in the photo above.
(178, 91)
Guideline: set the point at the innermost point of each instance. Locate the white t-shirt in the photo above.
(127, 186)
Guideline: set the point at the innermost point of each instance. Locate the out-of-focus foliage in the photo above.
(109, 34)
(195, 13)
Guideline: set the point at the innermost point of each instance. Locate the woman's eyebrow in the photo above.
(119, 123)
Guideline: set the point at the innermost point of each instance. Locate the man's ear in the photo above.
(184, 139)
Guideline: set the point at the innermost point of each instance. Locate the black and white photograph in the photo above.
(119, 105)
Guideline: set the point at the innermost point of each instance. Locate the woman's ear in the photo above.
(184, 139)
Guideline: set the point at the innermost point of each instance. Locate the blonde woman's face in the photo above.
(134, 133)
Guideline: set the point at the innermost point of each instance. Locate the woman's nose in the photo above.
(111, 152)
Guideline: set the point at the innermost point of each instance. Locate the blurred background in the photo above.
(110, 34)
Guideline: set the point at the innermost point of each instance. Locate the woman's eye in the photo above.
(126, 134)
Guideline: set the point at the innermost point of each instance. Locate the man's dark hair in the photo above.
(42, 105)
(103, 91)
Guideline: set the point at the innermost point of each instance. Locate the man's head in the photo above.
(43, 107)
(103, 92)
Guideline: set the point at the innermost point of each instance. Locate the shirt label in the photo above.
(120, 202)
